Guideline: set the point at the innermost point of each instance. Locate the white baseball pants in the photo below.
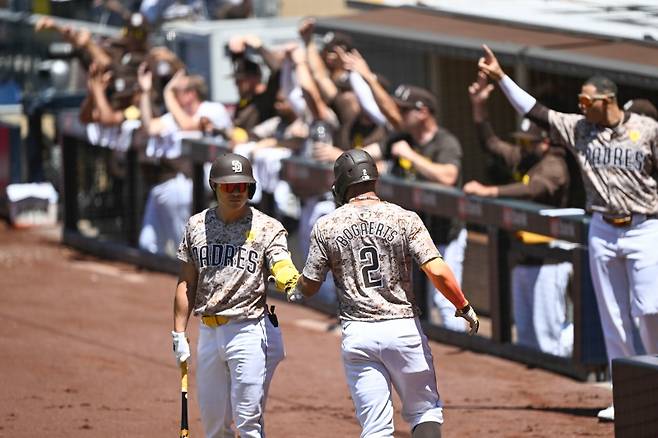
(378, 354)
(236, 363)
(624, 267)
(540, 307)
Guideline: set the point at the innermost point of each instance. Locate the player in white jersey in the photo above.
(618, 153)
(226, 255)
(369, 246)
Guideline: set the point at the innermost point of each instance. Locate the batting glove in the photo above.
(469, 315)
(181, 347)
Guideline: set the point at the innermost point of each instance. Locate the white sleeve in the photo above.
(216, 113)
(517, 96)
(366, 98)
(291, 90)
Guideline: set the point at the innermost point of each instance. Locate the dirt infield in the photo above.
(86, 352)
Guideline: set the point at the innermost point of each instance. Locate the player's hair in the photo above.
(602, 84)
(198, 84)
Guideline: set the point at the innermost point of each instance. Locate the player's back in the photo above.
(370, 249)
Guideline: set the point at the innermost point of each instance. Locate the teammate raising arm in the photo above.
(225, 254)
(617, 152)
(369, 246)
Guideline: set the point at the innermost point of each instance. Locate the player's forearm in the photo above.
(385, 102)
(441, 173)
(183, 120)
(445, 282)
(182, 307)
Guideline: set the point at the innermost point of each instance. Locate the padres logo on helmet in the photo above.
(231, 168)
(352, 167)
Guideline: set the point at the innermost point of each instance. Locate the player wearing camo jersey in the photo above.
(226, 254)
(369, 246)
(617, 152)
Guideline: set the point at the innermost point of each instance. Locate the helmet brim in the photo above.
(230, 179)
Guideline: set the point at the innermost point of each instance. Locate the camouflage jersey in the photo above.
(369, 249)
(617, 162)
(233, 261)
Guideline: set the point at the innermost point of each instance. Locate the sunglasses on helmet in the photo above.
(587, 101)
(234, 187)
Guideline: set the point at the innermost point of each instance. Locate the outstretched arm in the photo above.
(522, 102)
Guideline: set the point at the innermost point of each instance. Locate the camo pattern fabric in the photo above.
(617, 162)
(233, 261)
(370, 249)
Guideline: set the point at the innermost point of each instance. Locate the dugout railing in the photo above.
(103, 217)
(498, 219)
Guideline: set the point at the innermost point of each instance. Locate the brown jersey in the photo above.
(617, 162)
(233, 261)
(369, 249)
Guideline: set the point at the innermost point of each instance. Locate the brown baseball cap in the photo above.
(410, 96)
(643, 107)
(529, 131)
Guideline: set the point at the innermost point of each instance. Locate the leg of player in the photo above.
(246, 358)
(367, 378)
(429, 429)
(213, 386)
(611, 287)
(408, 358)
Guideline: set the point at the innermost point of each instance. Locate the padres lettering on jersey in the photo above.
(617, 162)
(217, 255)
(370, 250)
(233, 261)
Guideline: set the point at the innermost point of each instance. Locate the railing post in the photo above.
(499, 285)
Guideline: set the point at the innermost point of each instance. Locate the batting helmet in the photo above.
(352, 167)
(231, 168)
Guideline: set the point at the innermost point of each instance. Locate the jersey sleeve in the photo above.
(216, 113)
(420, 242)
(317, 262)
(184, 252)
(450, 152)
(563, 127)
(277, 250)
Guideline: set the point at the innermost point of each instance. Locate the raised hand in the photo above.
(489, 65)
(353, 61)
(306, 28)
(479, 91)
(144, 77)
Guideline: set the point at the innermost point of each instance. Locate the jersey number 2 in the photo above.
(370, 271)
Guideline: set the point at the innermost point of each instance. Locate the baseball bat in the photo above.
(184, 430)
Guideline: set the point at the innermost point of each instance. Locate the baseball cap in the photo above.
(643, 107)
(244, 67)
(529, 131)
(410, 96)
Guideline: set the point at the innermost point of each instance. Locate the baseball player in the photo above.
(226, 254)
(617, 152)
(369, 246)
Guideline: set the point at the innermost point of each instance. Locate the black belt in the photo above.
(621, 221)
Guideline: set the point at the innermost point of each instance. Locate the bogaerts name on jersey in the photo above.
(365, 229)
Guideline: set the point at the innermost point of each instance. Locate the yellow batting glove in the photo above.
(285, 275)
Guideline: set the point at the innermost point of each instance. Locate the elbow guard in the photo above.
(285, 275)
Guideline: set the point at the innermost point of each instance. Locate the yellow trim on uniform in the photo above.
(215, 320)
(634, 135)
(250, 235)
(285, 274)
(526, 179)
